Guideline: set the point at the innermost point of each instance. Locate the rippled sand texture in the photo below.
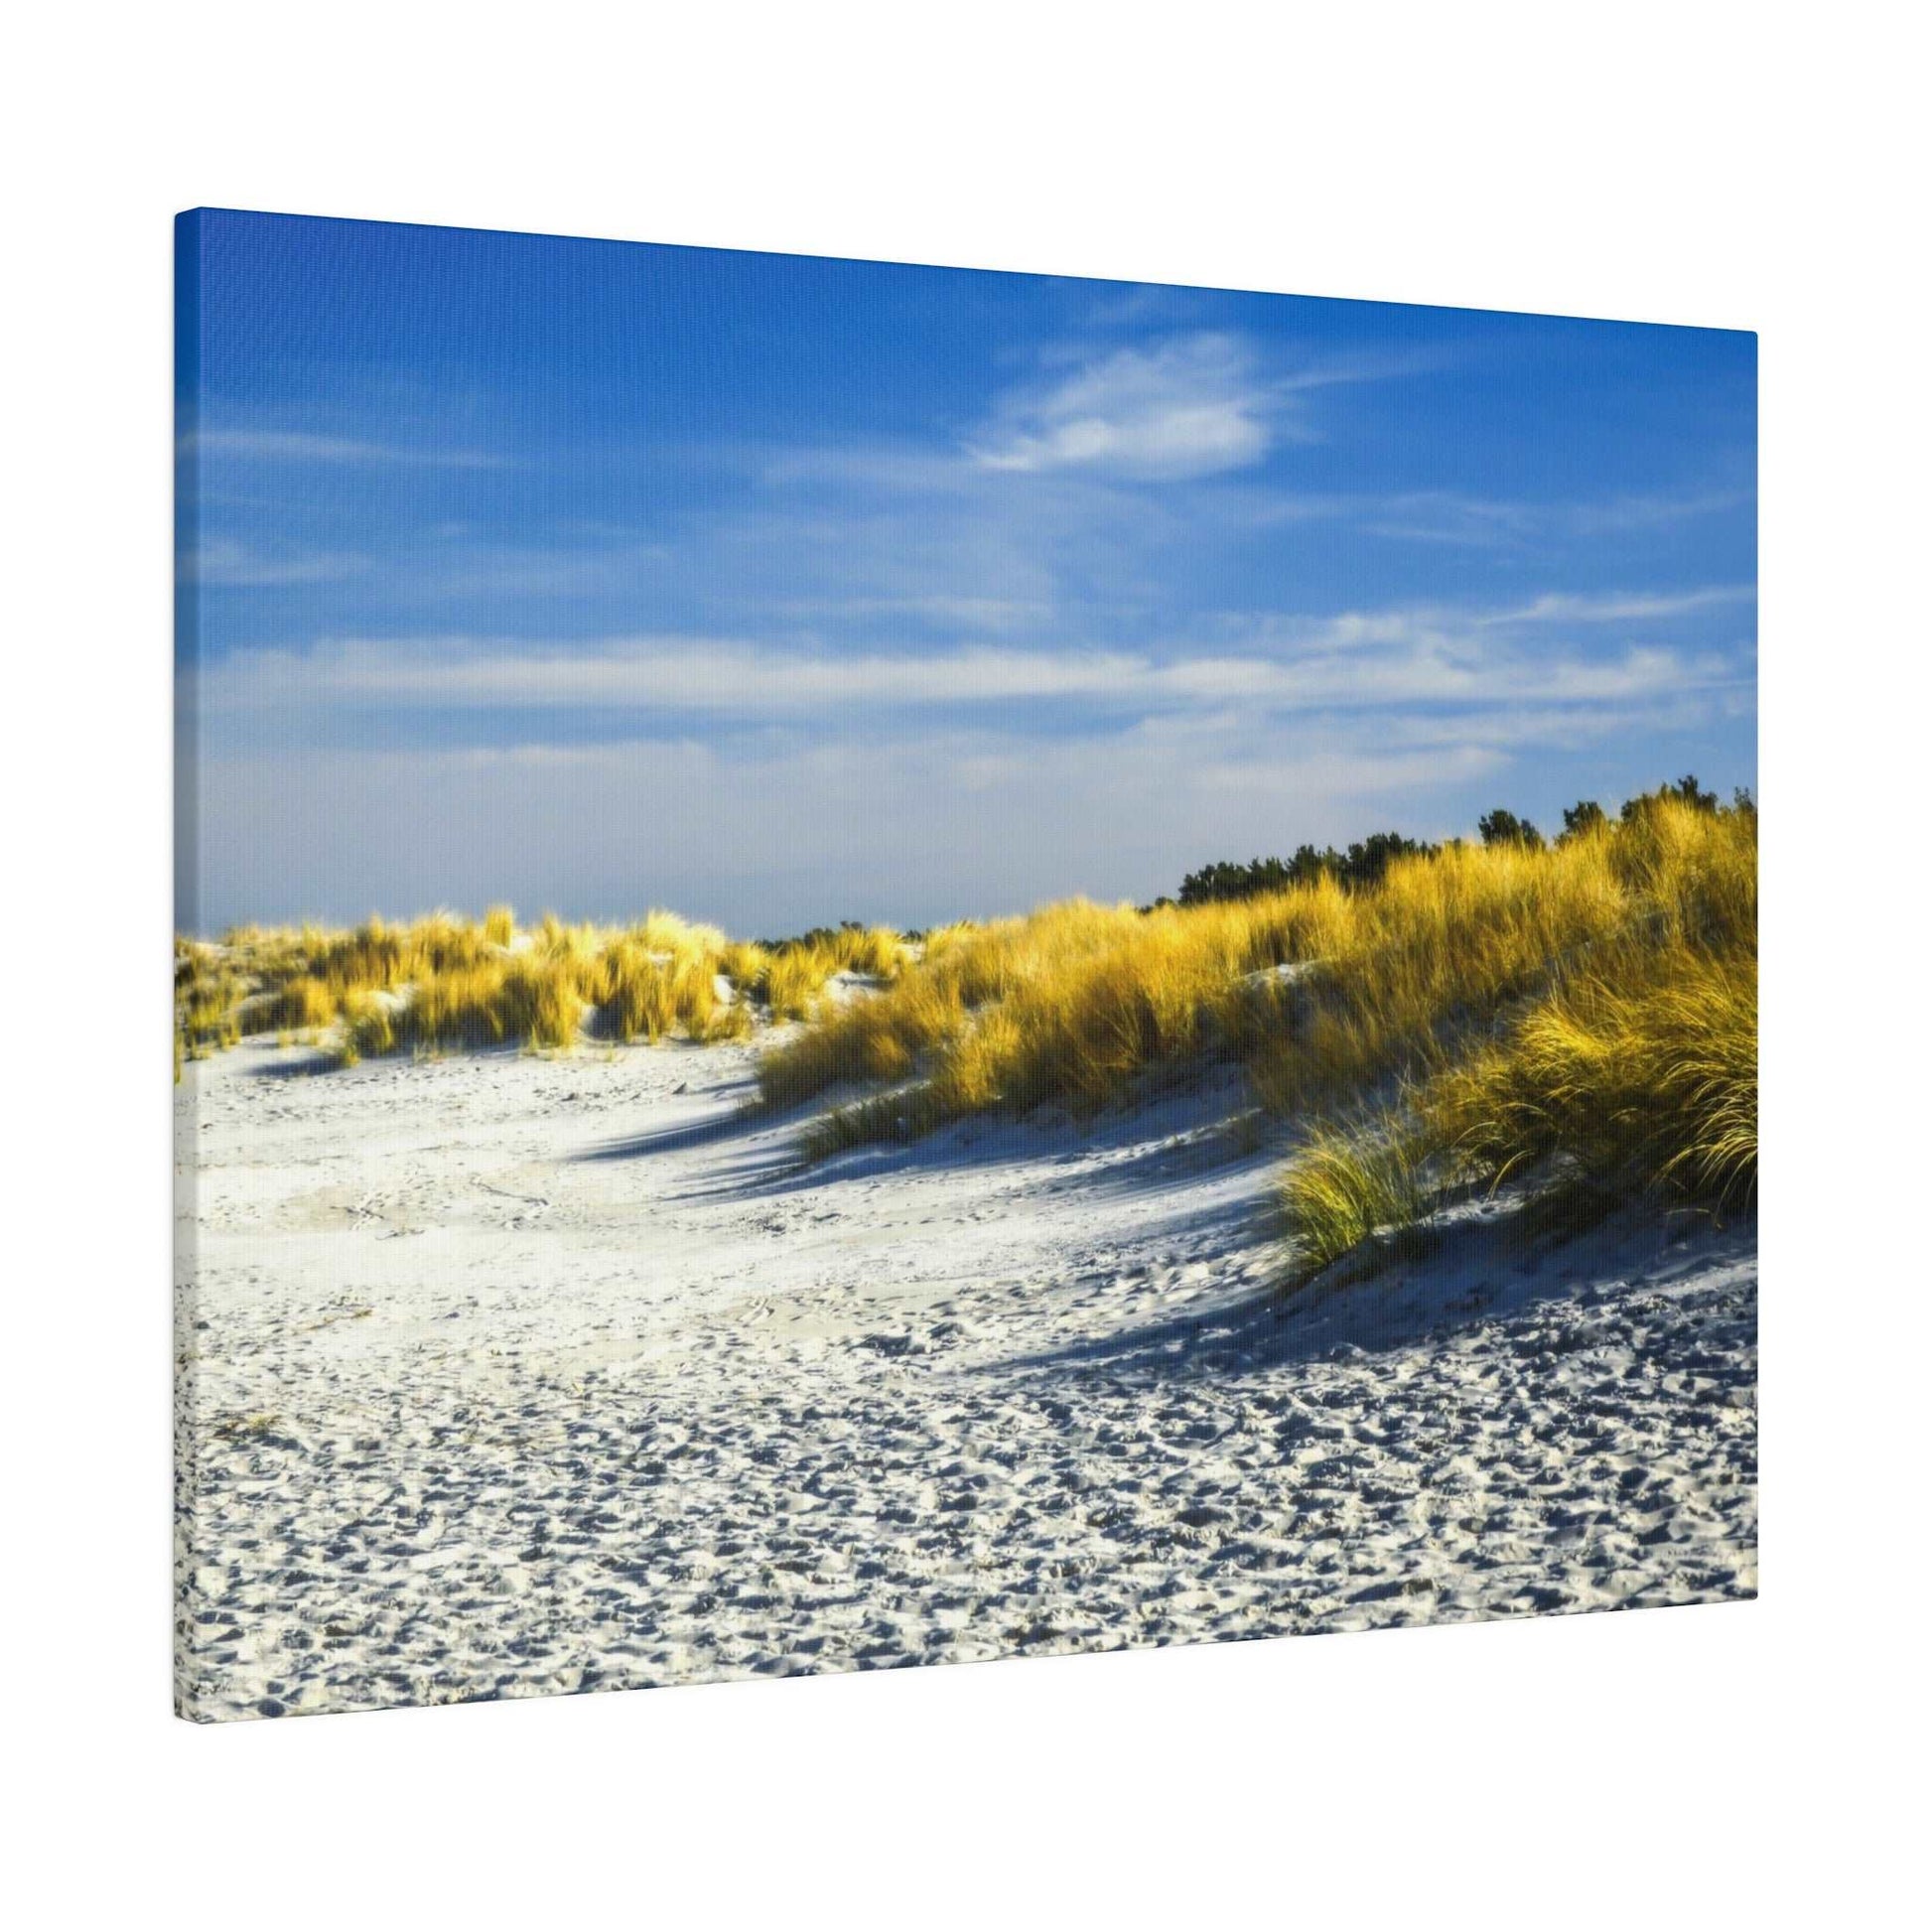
(503, 1376)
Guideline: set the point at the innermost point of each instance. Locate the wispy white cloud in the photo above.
(998, 615)
(1624, 606)
(1189, 407)
(298, 446)
(1626, 513)
(1394, 660)
(1438, 516)
(1454, 518)
(222, 562)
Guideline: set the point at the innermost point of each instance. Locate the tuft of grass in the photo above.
(1630, 1075)
(366, 1028)
(789, 975)
(1639, 1078)
(566, 949)
(745, 963)
(645, 994)
(873, 1039)
(635, 992)
(207, 998)
(935, 1003)
(540, 1006)
(304, 1005)
(1346, 1189)
(456, 1008)
(795, 980)
(530, 1002)
(442, 983)
(729, 1020)
(876, 951)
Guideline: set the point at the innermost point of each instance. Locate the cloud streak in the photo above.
(228, 565)
(1390, 661)
(1190, 407)
(300, 446)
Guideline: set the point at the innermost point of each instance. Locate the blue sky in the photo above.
(780, 590)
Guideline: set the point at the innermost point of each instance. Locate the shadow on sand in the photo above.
(1479, 1260)
(295, 1064)
(1133, 1150)
(1492, 1261)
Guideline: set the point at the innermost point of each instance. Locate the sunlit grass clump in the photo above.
(304, 1005)
(791, 976)
(1346, 1191)
(647, 992)
(520, 1000)
(1645, 1078)
(542, 989)
(443, 983)
(1635, 1079)
(207, 995)
(1628, 1071)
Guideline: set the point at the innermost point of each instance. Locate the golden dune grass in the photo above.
(1346, 1188)
(445, 983)
(1628, 1068)
(1644, 1073)
(303, 1005)
(790, 978)
(1325, 994)
(208, 996)
(647, 993)
(1637, 1076)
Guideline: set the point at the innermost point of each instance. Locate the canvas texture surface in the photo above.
(885, 965)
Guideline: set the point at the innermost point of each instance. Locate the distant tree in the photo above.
(1741, 800)
(818, 935)
(1586, 815)
(1370, 857)
(1686, 791)
(1309, 864)
(1363, 863)
(1366, 861)
(1226, 879)
(1503, 827)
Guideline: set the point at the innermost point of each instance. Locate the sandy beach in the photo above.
(505, 1375)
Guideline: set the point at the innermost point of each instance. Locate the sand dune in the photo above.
(506, 1375)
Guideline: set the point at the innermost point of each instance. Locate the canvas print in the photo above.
(881, 965)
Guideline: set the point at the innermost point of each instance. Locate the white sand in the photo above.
(506, 1375)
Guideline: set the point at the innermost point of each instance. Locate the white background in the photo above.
(1673, 163)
